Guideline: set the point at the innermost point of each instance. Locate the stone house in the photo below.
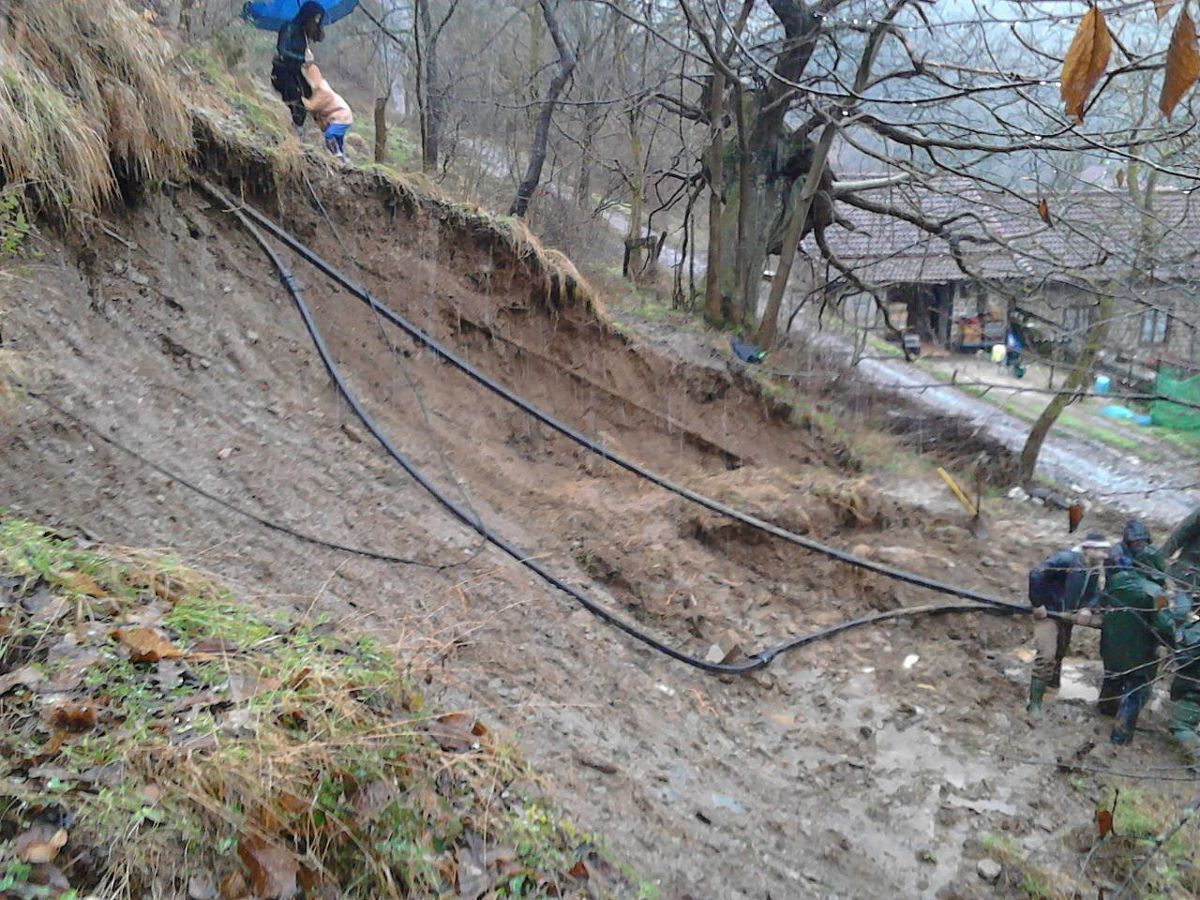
(956, 263)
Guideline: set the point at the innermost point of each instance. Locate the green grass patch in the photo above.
(156, 733)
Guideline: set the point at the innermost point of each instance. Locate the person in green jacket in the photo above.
(1185, 540)
(1185, 687)
(1129, 640)
(1139, 547)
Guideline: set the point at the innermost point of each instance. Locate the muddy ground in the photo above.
(866, 766)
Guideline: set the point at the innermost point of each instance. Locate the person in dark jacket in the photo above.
(1067, 583)
(291, 50)
(1129, 641)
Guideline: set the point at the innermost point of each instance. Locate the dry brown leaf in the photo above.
(146, 645)
(1104, 822)
(1086, 61)
(26, 676)
(73, 716)
(1044, 211)
(40, 844)
(218, 646)
(234, 887)
(273, 870)
(457, 732)
(81, 583)
(1183, 64)
(1120, 178)
(579, 870)
(1162, 7)
(317, 887)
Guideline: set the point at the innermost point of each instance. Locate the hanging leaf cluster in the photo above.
(1088, 56)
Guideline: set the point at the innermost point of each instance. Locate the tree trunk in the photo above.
(583, 184)
(792, 236)
(381, 128)
(716, 307)
(428, 93)
(541, 132)
(635, 248)
(748, 220)
(753, 225)
(1096, 335)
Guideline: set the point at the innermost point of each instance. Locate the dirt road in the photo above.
(1118, 479)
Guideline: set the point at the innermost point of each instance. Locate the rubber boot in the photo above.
(1127, 716)
(1037, 691)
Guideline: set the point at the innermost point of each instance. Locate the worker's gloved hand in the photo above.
(1039, 612)
(1083, 617)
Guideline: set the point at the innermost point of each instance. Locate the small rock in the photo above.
(1018, 494)
(252, 337)
(224, 453)
(351, 432)
(989, 870)
(720, 801)
(715, 655)
(137, 278)
(204, 363)
(987, 561)
(201, 887)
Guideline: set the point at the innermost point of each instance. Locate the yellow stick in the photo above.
(958, 492)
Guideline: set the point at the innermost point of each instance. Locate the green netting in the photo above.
(1176, 384)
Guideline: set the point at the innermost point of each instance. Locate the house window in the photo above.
(1077, 319)
(1154, 326)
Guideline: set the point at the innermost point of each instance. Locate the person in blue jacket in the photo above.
(291, 50)
(1068, 583)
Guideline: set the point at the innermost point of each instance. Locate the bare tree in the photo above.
(541, 132)
(430, 101)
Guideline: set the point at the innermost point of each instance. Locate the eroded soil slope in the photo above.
(850, 769)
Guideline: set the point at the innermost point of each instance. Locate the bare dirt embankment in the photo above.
(871, 765)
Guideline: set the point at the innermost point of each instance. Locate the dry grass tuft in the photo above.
(87, 93)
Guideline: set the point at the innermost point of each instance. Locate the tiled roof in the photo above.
(1001, 236)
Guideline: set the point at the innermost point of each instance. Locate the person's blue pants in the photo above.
(335, 139)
